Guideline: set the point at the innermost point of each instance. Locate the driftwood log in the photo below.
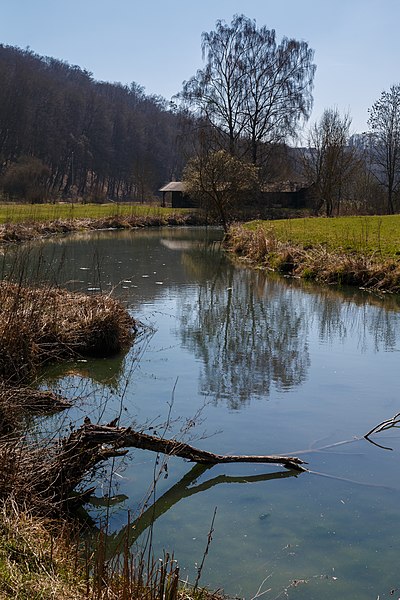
(74, 457)
(130, 438)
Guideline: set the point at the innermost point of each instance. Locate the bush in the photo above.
(26, 180)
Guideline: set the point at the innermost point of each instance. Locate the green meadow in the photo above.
(25, 213)
(369, 235)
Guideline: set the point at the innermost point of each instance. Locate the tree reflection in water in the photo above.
(249, 331)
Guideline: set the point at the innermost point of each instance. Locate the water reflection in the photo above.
(187, 486)
(250, 331)
(249, 334)
(347, 313)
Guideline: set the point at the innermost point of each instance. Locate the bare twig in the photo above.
(209, 540)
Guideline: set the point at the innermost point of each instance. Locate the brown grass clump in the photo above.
(43, 559)
(261, 248)
(43, 324)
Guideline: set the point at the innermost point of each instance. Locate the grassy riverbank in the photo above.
(24, 222)
(45, 560)
(361, 251)
(25, 213)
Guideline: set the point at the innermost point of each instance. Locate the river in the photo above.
(239, 362)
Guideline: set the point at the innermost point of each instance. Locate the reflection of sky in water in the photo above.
(273, 366)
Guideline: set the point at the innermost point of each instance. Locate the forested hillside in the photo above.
(63, 134)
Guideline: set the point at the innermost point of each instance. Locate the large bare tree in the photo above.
(384, 120)
(252, 90)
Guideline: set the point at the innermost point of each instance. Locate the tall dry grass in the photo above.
(43, 324)
(45, 559)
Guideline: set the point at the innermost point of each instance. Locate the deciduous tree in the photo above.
(219, 180)
(384, 120)
(252, 90)
(329, 162)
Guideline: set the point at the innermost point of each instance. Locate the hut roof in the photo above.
(173, 186)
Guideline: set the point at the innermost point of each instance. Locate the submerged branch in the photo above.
(387, 424)
(188, 486)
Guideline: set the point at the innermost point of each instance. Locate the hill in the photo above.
(64, 134)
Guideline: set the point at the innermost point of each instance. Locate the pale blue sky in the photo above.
(157, 44)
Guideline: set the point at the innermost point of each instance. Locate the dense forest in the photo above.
(63, 134)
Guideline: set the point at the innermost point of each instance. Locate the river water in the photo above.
(238, 362)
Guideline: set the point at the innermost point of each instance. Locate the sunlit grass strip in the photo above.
(22, 213)
(367, 235)
(261, 246)
(33, 562)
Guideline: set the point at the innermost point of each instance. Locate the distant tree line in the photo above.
(63, 134)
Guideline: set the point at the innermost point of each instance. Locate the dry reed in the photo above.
(43, 324)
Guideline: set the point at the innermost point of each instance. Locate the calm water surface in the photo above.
(239, 362)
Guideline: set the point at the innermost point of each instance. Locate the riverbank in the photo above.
(43, 324)
(357, 251)
(38, 556)
(22, 225)
(44, 559)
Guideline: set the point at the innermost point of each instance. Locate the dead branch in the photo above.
(129, 438)
(29, 400)
(19, 402)
(65, 465)
(388, 424)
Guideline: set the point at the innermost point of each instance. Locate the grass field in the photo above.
(22, 213)
(368, 235)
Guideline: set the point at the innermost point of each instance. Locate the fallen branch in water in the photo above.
(187, 487)
(59, 469)
(128, 438)
(387, 424)
(19, 402)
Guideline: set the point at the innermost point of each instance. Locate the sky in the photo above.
(157, 44)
